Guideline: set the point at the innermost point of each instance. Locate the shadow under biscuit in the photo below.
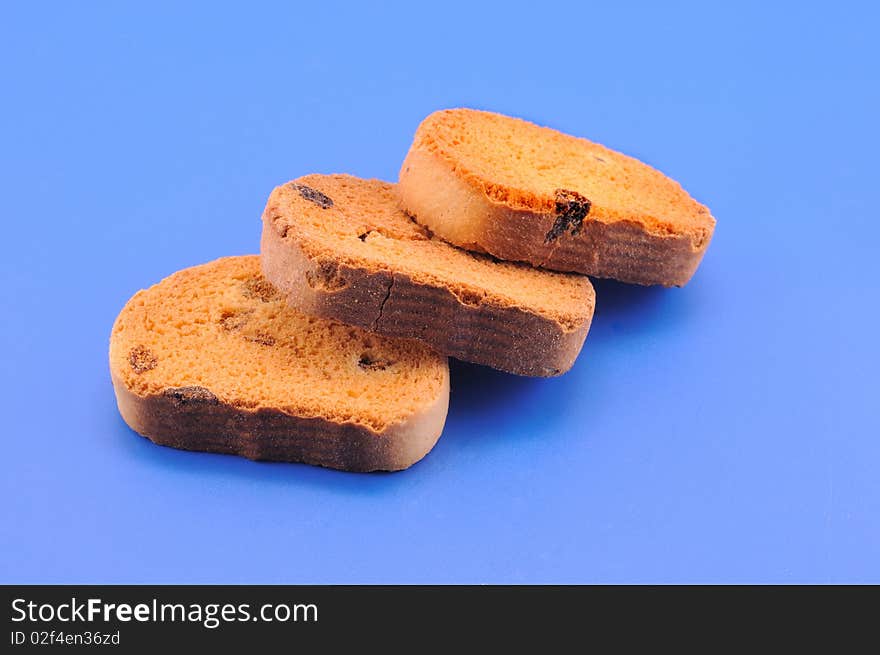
(619, 301)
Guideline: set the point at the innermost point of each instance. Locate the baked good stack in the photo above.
(330, 347)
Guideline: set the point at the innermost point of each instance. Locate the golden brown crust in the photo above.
(192, 418)
(461, 323)
(629, 222)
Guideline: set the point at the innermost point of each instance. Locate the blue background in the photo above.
(724, 432)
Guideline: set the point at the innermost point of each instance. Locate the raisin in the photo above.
(369, 362)
(313, 195)
(259, 288)
(182, 396)
(261, 338)
(141, 359)
(571, 210)
(326, 277)
(232, 321)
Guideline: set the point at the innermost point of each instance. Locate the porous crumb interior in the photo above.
(522, 165)
(362, 225)
(223, 328)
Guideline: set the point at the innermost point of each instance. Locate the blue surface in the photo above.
(725, 432)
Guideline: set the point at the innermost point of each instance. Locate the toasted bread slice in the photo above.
(340, 247)
(521, 192)
(213, 359)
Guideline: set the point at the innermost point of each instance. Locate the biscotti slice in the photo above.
(340, 247)
(213, 359)
(521, 192)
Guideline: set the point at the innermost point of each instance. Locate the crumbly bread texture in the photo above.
(213, 359)
(340, 247)
(521, 192)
